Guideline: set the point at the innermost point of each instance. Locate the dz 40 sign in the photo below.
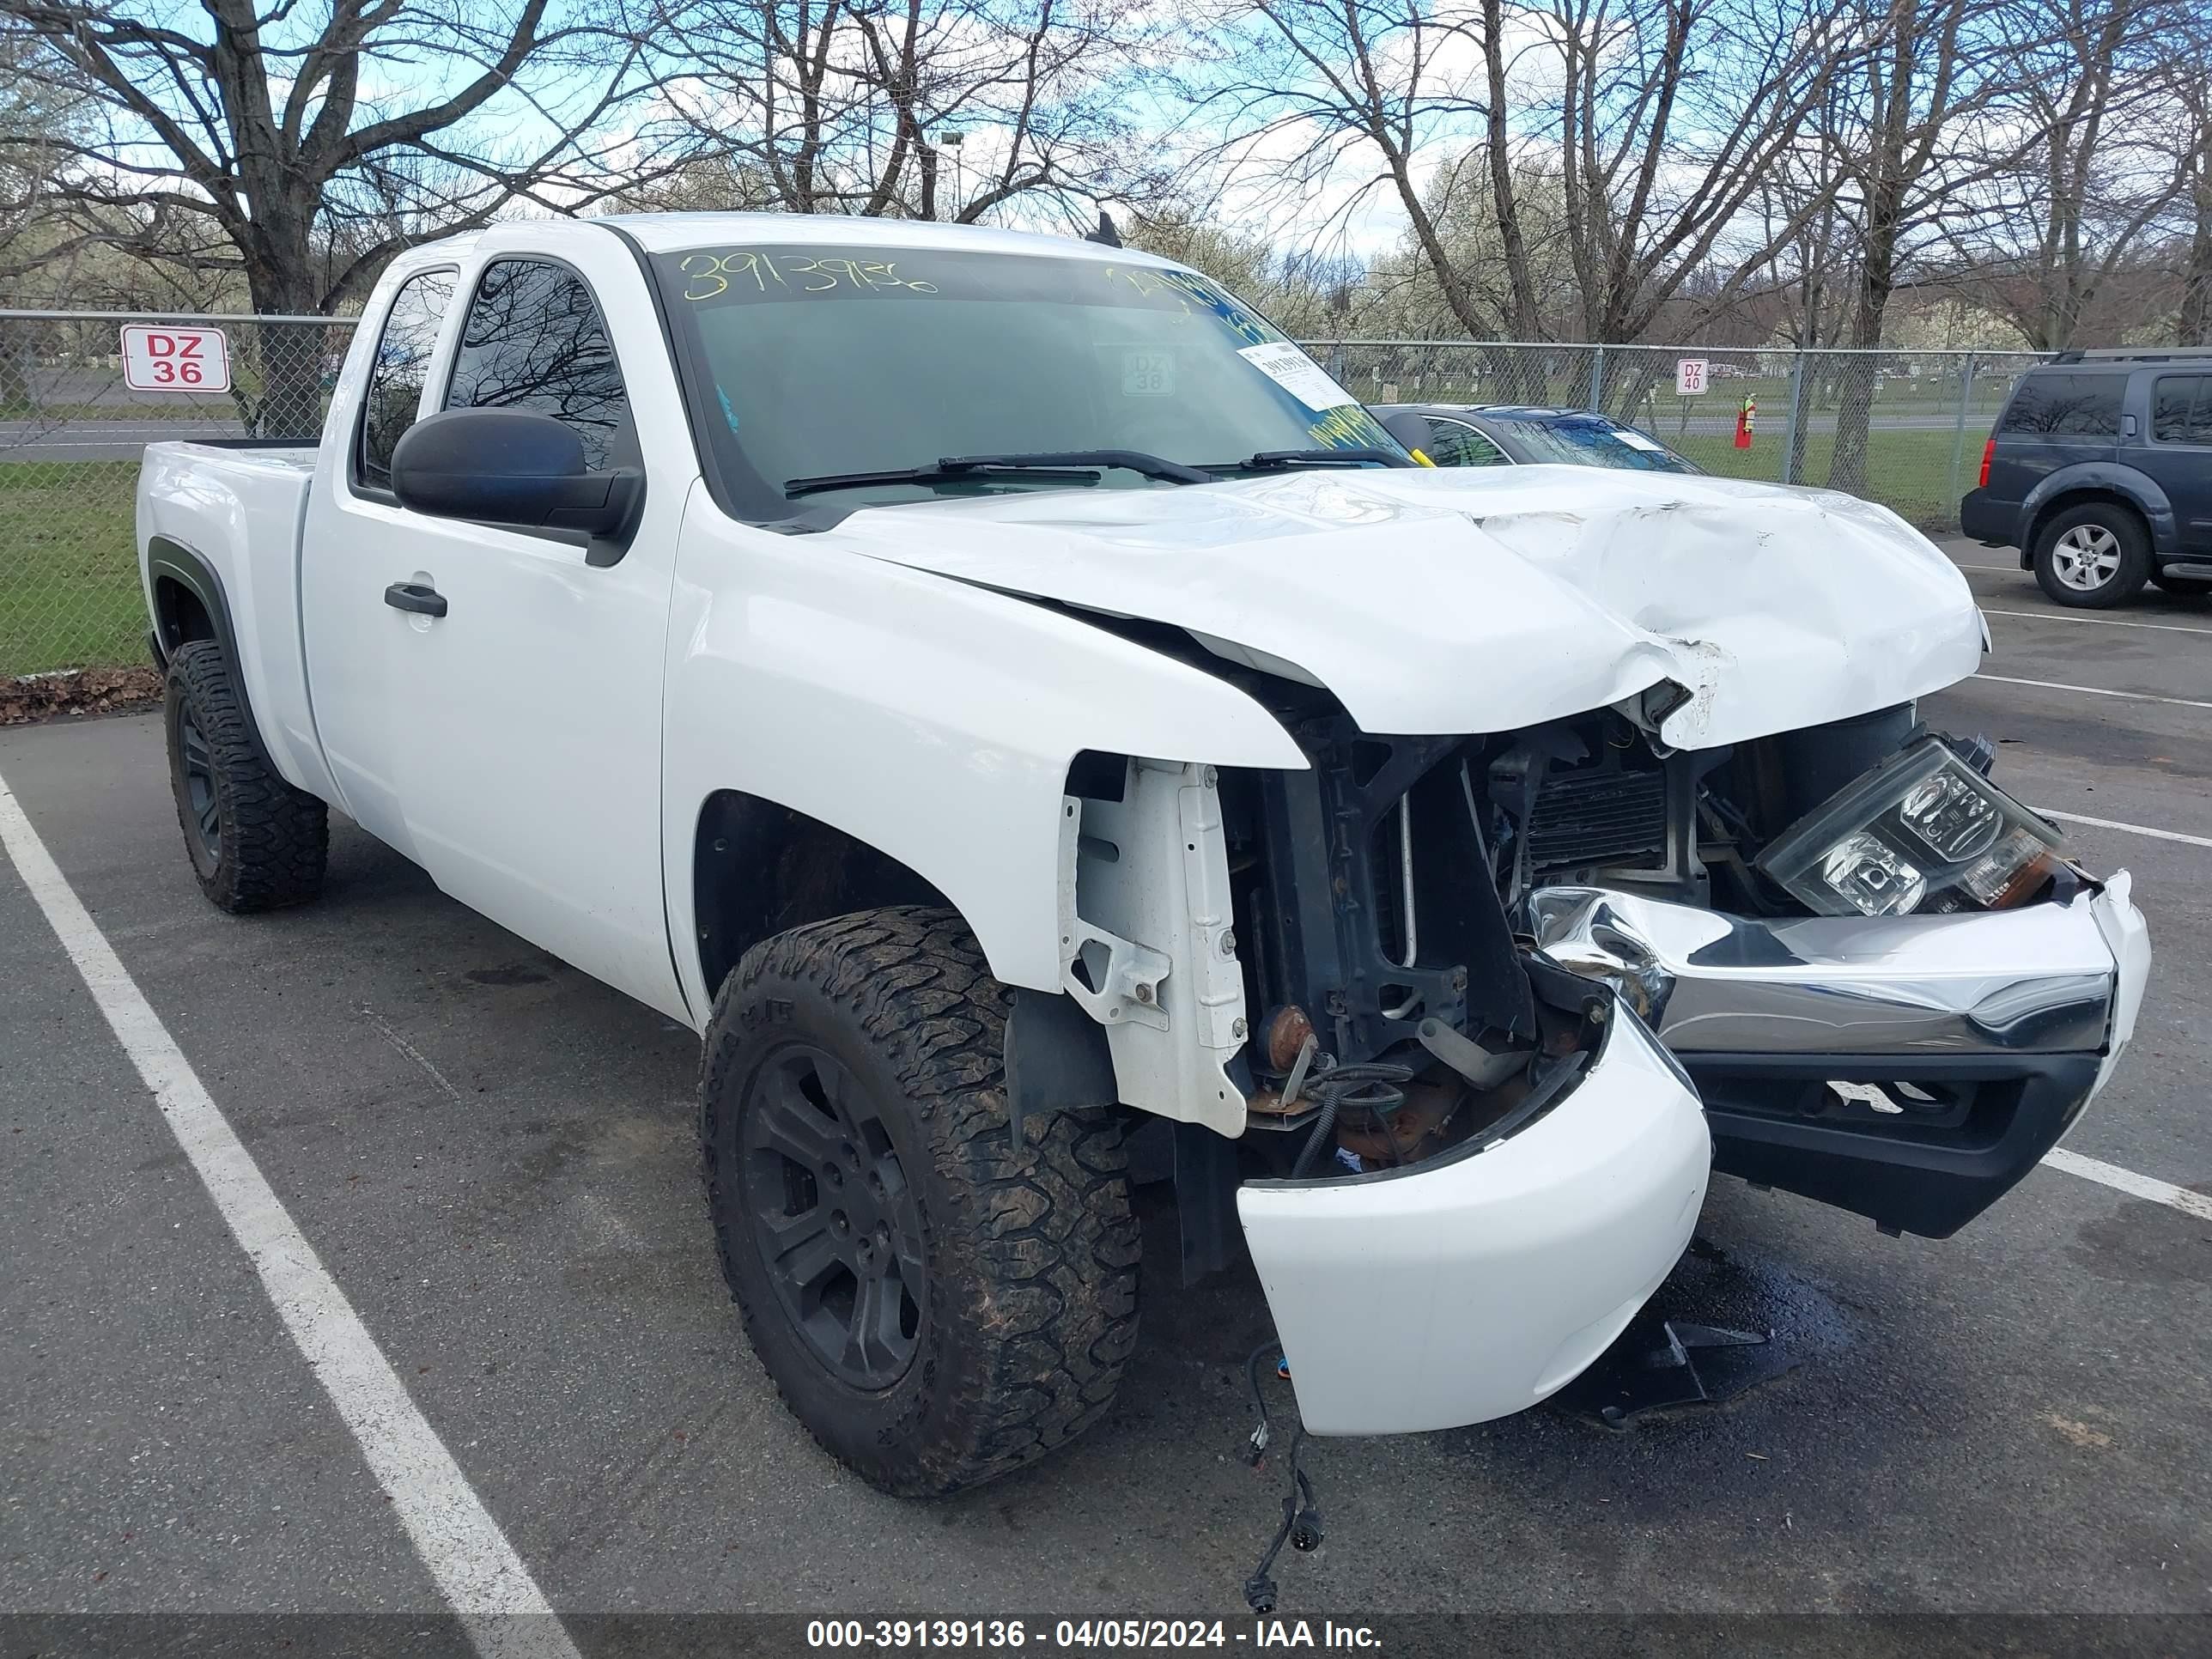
(158, 358)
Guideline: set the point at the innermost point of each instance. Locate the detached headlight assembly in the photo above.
(1922, 832)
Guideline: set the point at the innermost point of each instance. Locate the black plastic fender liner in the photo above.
(169, 560)
(1909, 1178)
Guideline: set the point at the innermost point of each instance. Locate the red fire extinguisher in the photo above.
(1744, 419)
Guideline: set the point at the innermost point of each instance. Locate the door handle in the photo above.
(420, 597)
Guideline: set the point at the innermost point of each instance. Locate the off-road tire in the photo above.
(2131, 571)
(272, 840)
(1029, 1252)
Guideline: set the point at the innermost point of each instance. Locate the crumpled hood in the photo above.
(1436, 601)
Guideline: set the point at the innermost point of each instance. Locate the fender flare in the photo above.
(2137, 489)
(170, 560)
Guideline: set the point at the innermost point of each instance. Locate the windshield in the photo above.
(1583, 440)
(817, 361)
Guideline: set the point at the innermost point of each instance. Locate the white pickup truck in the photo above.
(1009, 701)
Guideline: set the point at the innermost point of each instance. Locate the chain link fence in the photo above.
(70, 434)
(1903, 427)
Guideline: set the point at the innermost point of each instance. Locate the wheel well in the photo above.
(2067, 500)
(759, 869)
(182, 616)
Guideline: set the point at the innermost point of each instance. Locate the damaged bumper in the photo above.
(1910, 1068)
(1474, 1284)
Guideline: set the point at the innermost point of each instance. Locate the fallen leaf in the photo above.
(2081, 1434)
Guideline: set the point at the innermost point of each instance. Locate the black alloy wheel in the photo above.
(203, 813)
(834, 1217)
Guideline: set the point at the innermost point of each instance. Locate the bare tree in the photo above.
(1926, 132)
(2093, 176)
(2193, 88)
(938, 111)
(1651, 122)
(238, 136)
(1314, 89)
(1668, 116)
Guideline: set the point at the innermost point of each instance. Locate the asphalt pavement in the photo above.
(492, 1156)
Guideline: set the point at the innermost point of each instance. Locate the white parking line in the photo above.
(2131, 829)
(2127, 1181)
(499, 1605)
(2101, 622)
(2094, 691)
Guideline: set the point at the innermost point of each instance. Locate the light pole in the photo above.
(951, 139)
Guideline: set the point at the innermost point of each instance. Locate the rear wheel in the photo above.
(937, 1304)
(2093, 555)
(256, 842)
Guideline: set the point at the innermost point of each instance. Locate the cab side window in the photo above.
(1452, 444)
(397, 375)
(534, 339)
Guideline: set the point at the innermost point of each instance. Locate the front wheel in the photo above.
(256, 842)
(937, 1304)
(2093, 557)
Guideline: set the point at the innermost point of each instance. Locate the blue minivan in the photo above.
(2099, 471)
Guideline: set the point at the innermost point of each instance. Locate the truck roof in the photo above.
(662, 233)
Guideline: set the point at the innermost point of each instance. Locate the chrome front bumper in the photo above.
(2044, 979)
(1910, 1069)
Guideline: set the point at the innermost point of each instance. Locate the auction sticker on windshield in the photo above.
(1297, 374)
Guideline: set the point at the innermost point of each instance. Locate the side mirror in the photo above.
(514, 468)
(1411, 431)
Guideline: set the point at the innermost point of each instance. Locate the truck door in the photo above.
(523, 721)
(351, 511)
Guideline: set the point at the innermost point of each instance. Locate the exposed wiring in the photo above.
(1301, 1526)
(1371, 1087)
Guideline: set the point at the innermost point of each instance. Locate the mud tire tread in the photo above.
(1032, 1251)
(276, 839)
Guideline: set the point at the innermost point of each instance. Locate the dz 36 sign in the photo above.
(160, 358)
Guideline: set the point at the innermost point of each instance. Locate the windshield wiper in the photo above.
(1128, 460)
(1071, 466)
(1268, 460)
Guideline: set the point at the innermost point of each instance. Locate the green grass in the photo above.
(1908, 471)
(69, 573)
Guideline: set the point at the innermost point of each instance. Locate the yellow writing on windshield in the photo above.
(749, 271)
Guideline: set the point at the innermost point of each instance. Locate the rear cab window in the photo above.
(399, 372)
(2065, 407)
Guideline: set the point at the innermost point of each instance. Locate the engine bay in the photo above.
(1384, 901)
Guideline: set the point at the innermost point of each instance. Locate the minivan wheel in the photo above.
(938, 1301)
(2093, 555)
